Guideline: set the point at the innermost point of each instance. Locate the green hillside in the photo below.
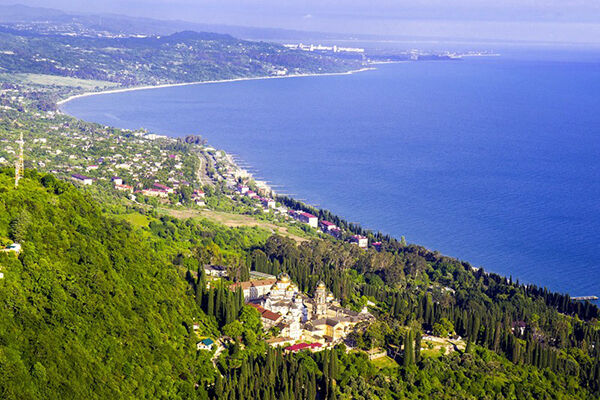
(96, 308)
(89, 309)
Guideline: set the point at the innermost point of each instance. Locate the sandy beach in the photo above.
(77, 96)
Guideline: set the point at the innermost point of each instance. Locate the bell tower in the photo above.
(320, 306)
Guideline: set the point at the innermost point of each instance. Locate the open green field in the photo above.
(236, 221)
(54, 80)
(384, 362)
(135, 219)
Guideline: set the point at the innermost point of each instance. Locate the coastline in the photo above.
(148, 87)
(227, 157)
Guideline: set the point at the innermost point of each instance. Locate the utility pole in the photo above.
(19, 166)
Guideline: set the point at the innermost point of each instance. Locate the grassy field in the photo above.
(384, 362)
(235, 220)
(135, 219)
(432, 346)
(53, 80)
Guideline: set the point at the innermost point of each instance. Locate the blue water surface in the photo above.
(493, 160)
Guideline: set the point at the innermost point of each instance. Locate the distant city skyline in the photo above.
(566, 21)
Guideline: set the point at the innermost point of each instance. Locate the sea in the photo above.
(493, 160)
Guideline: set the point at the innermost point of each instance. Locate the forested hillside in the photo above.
(88, 309)
(96, 308)
(180, 57)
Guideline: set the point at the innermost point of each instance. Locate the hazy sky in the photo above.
(542, 20)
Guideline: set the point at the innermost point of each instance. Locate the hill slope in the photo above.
(88, 309)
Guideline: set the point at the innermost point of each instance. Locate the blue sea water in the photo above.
(493, 160)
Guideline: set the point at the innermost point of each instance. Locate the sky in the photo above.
(560, 21)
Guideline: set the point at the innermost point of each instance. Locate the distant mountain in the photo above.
(47, 20)
(185, 56)
(20, 13)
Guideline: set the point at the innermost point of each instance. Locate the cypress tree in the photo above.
(417, 347)
(408, 349)
(210, 304)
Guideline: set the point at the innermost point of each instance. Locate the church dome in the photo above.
(321, 285)
(284, 278)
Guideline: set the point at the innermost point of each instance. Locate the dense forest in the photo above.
(94, 307)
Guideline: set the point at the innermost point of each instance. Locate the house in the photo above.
(360, 240)
(376, 245)
(116, 180)
(307, 218)
(267, 203)
(216, 271)
(335, 232)
(205, 344)
(152, 192)
(164, 187)
(251, 194)
(124, 188)
(198, 193)
(15, 247)
(327, 226)
(242, 189)
(86, 180)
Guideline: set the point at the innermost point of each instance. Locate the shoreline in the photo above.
(166, 85)
(238, 170)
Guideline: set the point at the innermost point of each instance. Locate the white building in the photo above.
(86, 180)
(307, 218)
(360, 240)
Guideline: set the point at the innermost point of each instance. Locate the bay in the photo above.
(493, 160)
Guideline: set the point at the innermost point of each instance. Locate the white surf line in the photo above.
(87, 94)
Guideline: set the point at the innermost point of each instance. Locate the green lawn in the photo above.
(384, 362)
(135, 219)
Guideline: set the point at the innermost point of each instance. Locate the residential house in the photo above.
(360, 240)
(205, 344)
(164, 187)
(267, 203)
(216, 271)
(307, 218)
(86, 180)
(124, 188)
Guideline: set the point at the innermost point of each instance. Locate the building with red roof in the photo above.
(163, 187)
(302, 346)
(308, 218)
(360, 240)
